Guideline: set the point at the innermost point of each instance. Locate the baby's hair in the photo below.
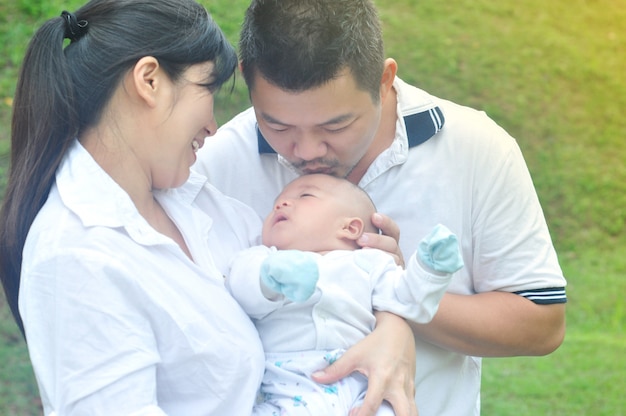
(365, 201)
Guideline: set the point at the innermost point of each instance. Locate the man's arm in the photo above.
(495, 324)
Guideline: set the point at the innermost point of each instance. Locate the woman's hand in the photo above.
(387, 358)
(387, 241)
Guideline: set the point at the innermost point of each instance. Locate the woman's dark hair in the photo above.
(63, 88)
(298, 45)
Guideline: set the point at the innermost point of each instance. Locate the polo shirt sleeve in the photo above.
(512, 247)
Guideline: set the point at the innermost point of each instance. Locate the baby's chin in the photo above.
(284, 245)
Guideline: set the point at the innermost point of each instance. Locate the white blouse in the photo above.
(118, 319)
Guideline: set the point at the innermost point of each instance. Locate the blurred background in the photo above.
(553, 75)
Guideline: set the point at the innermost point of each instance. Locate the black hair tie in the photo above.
(74, 28)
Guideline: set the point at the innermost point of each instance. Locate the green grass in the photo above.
(581, 378)
(553, 75)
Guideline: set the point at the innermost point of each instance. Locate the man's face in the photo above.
(327, 129)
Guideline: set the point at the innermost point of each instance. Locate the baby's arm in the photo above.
(415, 293)
(262, 278)
(244, 284)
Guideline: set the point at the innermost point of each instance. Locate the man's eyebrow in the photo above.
(272, 120)
(336, 120)
(339, 119)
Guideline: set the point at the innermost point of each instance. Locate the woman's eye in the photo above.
(211, 88)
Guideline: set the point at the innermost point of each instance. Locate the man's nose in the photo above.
(309, 148)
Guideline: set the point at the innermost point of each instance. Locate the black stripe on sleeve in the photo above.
(545, 296)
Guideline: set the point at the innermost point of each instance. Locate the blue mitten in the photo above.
(440, 250)
(293, 273)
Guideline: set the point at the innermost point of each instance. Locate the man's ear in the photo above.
(389, 75)
(352, 228)
(147, 79)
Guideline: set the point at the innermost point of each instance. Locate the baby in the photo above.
(311, 291)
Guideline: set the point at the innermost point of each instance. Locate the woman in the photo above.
(123, 308)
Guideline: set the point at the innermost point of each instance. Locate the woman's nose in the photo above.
(211, 127)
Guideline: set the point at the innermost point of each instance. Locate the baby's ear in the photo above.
(352, 228)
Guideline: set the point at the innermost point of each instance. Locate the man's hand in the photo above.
(387, 241)
(387, 358)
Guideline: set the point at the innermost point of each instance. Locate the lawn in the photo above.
(553, 75)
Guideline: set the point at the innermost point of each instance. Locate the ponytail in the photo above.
(43, 124)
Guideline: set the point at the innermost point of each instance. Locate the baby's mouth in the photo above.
(279, 218)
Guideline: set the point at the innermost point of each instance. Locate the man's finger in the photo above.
(373, 399)
(382, 242)
(402, 406)
(341, 368)
(386, 225)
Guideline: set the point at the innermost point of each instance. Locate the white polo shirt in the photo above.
(118, 319)
(448, 164)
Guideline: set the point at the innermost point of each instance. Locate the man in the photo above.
(325, 99)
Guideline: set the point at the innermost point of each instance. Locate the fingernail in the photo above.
(378, 218)
(363, 239)
(318, 374)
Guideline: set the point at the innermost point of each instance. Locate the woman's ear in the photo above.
(352, 229)
(147, 79)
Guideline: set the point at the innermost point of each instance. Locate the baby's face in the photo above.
(306, 215)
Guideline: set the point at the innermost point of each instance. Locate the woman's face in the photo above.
(187, 119)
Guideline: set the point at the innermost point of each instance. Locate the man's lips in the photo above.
(320, 169)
